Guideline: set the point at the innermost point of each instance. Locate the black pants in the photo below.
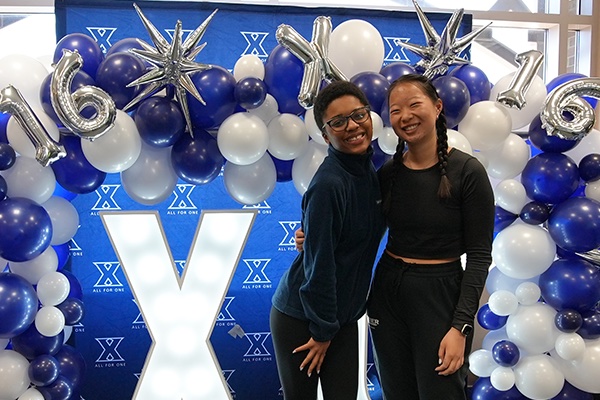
(339, 372)
(410, 310)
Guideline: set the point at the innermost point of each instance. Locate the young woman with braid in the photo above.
(439, 205)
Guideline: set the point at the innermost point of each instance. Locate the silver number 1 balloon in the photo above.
(529, 65)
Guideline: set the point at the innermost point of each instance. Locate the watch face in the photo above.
(466, 329)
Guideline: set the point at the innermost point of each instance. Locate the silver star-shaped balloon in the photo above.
(172, 63)
(442, 50)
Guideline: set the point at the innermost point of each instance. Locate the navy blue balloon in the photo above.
(385, 113)
(535, 213)
(567, 77)
(7, 156)
(476, 80)
(283, 169)
(590, 328)
(3, 188)
(124, 45)
(80, 79)
(250, 92)
(75, 290)
(568, 321)
(550, 178)
(506, 353)
(63, 252)
(160, 121)
(570, 392)
(503, 219)
(115, 72)
(73, 310)
(574, 224)
(32, 343)
(25, 229)
(197, 160)
(283, 77)
(379, 156)
(488, 320)
(4, 117)
(74, 172)
(88, 48)
(216, 86)
(18, 305)
(571, 284)
(395, 70)
(540, 139)
(60, 191)
(43, 370)
(374, 86)
(455, 97)
(483, 390)
(589, 167)
(60, 389)
(72, 365)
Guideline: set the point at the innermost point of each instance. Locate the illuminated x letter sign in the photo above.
(179, 312)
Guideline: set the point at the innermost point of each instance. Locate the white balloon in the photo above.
(28, 178)
(356, 46)
(288, 137)
(503, 302)
(377, 125)
(117, 149)
(19, 140)
(68, 330)
(151, 179)
(482, 158)
(497, 280)
(49, 321)
(243, 138)
(511, 195)
(534, 98)
(53, 288)
(24, 73)
(388, 141)
(538, 377)
(502, 378)
(64, 217)
(311, 127)
(248, 66)
(458, 140)
(268, 110)
(486, 125)
(508, 159)
(31, 394)
(588, 145)
(592, 190)
(523, 251)
(528, 293)
(3, 343)
(250, 184)
(583, 373)
(305, 165)
(532, 328)
(481, 363)
(569, 346)
(14, 378)
(34, 269)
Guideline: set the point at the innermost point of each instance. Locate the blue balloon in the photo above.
(567, 77)
(3, 188)
(75, 290)
(374, 86)
(43, 370)
(60, 389)
(550, 178)
(568, 321)
(25, 229)
(483, 390)
(250, 92)
(590, 328)
(90, 51)
(540, 139)
(589, 167)
(160, 121)
(7, 156)
(395, 70)
(18, 305)
(63, 252)
(574, 224)
(571, 284)
(488, 320)
(115, 72)
(385, 113)
(216, 86)
(476, 80)
(570, 392)
(4, 117)
(455, 97)
(534, 213)
(80, 79)
(283, 168)
(379, 156)
(124, 45)
(74, 172)
(32, 343)
(503, 219)
(72, 365)
(506, 353)
(283, 77)
(197, 160)
(73, 310)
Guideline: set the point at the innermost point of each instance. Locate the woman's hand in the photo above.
(299, 239)
(316, 355)
(451, 352)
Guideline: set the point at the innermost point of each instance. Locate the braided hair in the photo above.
(444, 189)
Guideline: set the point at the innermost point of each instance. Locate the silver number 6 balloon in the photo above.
(46, 149)
(68, 106)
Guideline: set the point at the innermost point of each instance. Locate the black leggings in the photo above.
(339, 372)
(410, 310)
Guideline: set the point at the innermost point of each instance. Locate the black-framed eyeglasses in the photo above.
(340, 122)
